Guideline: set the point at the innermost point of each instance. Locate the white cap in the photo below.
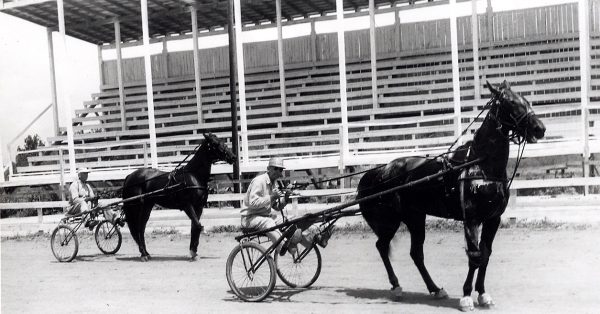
(83, 170)
(276, 162)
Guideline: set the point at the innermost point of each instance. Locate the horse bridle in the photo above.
(515, 124)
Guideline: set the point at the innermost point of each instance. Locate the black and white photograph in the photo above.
(299, 156)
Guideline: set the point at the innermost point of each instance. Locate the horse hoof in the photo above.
(466, 304)
(396, 292)
(485, 300)
(144, 258)
(440, 294)
(193, 256)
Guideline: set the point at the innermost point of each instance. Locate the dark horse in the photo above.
(476, 195)
(185, 188)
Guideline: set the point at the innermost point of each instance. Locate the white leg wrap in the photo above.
(485, 300)
(466, 304)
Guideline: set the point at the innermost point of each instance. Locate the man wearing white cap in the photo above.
(263, 196)
(82, 195)
(83, 198)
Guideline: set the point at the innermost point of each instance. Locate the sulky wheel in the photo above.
(250, 272)
(108, 237)
(64, 243)
(300, 269)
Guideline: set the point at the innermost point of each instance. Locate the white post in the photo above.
(2, 162)
(584, 66)
(239, 50)
(196, 62)
(149, 89)
(475, 39)
(64, 74)
(455, 74)
(339, 9)
(100, 65)
(120, 75)
(53, 82)
(10, 161)
(280, 58)
(373, 44)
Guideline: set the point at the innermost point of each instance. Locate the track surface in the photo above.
(548, 271)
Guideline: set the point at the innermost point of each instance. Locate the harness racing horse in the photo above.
(185, 188)
(476, 194)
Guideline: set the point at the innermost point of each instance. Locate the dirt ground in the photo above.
(547, 271)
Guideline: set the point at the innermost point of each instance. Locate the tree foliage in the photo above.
(31, 143)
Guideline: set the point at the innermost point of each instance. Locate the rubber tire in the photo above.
(100, 233)
(58, 236)
(282, 263)
(255, 250)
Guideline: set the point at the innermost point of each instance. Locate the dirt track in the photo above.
(531, 272)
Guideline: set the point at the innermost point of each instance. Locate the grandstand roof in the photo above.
(92, 20)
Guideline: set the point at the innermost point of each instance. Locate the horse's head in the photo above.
(514, 112)
(217, 149)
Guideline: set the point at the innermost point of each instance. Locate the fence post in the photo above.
(62, 174)
(145, 155)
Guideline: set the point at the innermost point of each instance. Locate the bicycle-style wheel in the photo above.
(250, 272)
(108, 237)
(64, 243)
(301, 269)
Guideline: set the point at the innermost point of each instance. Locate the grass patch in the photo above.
(165, 231)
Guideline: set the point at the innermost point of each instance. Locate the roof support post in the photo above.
(232, 96)
(455, 73)
(149, 89)
(475, 39)
(100, 65)
(194, 16)
(239, 51)
(584, 67)
(397, 30)
(64, 74)
(313, 42)
(2, 163)
(165, 59)
(53, 82)
(490, 21)
(280, 58)
(373, 46)
(345, 152)
(120, 75)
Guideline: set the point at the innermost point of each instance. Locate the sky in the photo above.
(25, 73)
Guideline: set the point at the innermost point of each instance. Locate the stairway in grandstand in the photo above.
(414, 114)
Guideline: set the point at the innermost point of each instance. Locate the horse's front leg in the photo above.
(472, 229)
(196, 229)
(488, 233)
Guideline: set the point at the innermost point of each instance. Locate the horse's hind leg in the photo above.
(416, 226)
(385, 227)
(143, 220)
(131, 216)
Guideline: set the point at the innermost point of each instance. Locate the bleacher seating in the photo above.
(414, 110)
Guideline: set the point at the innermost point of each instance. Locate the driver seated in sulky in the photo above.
(82, 198)
(261, 202)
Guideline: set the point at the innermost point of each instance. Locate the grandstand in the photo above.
(536, 49)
